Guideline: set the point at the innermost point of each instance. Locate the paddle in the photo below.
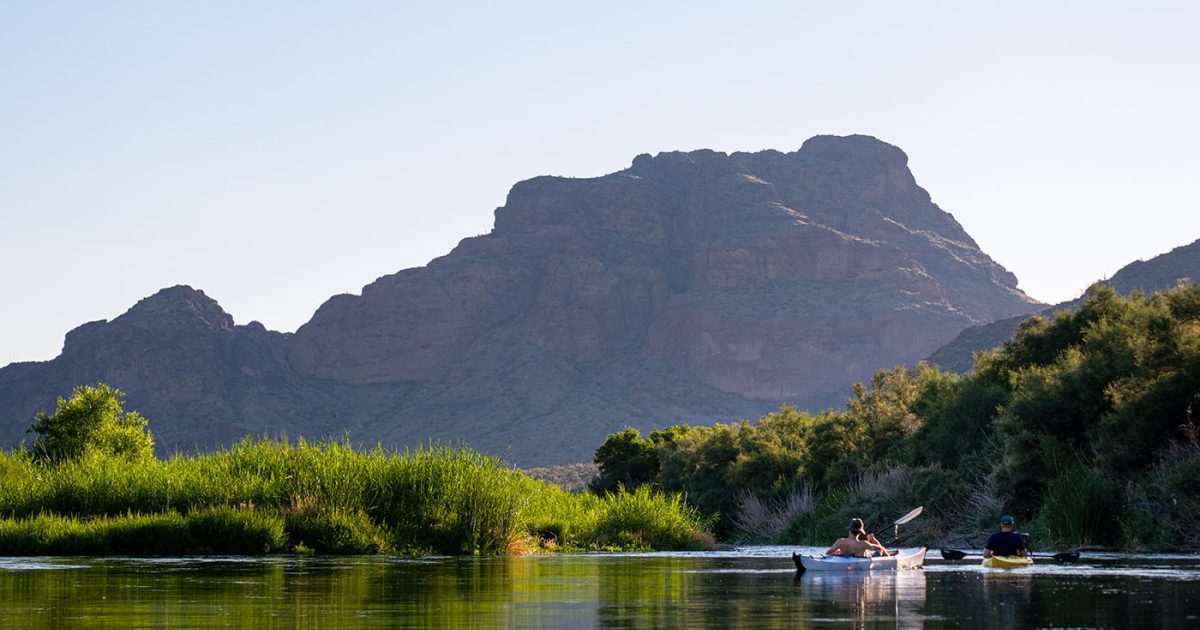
(902, 520)
(1066, 556)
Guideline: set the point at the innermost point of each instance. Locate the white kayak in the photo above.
(907, 559)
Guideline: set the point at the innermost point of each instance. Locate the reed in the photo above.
(646, 519)
(264, 496)
(212, 531)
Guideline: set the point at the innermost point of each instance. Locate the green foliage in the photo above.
(1041, 426)
(450, 501)
(958, 418)
(319, 529)
(645, 519)
(92, 421)
(229, 530)
(1165, 508)
(699, 465)
(216, 531)
(266, 496)
(625, 460)
(1083, 506)
(784, 452)
(937, 489)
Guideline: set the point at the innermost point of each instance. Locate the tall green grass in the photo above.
(1083, 506)
(210, 531)
(324, 497)
(648, 519)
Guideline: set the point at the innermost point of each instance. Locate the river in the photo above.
(749, 587)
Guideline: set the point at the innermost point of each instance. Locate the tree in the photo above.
(92, 421)
(625, 460)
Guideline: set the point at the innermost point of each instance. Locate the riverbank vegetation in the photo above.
(90, 484)
(1083, 427)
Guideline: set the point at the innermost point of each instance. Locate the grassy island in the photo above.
(91, 485)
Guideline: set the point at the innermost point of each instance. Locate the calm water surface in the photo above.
(750, 587)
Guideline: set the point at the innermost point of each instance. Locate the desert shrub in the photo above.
(759, 521)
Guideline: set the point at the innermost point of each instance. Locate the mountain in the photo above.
(689, 287)
(1181, 264)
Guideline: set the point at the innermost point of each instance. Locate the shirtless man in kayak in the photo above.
(856, 544)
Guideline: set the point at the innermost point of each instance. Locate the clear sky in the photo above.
(275, 154)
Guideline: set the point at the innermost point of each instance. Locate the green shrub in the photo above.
(92, 421)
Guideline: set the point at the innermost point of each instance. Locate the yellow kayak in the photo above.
(1007, 562)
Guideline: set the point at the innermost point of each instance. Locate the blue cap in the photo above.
(1006, 520)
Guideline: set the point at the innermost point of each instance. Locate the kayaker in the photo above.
(856, 543)
(1005, 542)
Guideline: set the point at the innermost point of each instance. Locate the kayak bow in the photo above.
(1007, 562)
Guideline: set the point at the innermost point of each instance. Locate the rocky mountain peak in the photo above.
(180, 308)
(858, 150)
(683, 251)
(693, 286)
(179, 304)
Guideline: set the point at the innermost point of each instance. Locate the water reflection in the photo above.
(865, 599)
(739, 589)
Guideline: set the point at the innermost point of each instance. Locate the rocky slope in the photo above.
(1181, 264)
(692, 286)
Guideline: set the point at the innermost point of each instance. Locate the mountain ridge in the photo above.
(691, 286)
(1181, 264)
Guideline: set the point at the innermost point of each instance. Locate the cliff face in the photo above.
(770, 276)
(693, 286)
(1162, 272)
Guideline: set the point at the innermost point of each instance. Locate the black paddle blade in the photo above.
(1067, 556)
(953, 554)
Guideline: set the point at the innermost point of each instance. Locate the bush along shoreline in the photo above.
(90, 485)
(1083, 427)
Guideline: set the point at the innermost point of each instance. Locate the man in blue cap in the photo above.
(1005, 542)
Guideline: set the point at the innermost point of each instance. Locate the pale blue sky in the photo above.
(274, 154)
